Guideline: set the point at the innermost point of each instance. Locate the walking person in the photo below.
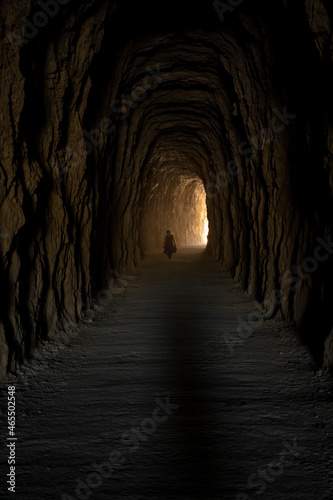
(169, 245)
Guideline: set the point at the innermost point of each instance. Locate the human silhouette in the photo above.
(169, 244)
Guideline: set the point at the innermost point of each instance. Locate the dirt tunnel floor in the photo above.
(151, 391)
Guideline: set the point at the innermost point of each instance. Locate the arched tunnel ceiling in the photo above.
(229, 102)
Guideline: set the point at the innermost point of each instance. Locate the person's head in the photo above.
(168, 231)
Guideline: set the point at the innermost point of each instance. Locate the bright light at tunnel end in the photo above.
(205, 231)
(203, 224)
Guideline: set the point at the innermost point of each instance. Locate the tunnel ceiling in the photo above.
(113, 113)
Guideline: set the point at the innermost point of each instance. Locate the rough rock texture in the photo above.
(85, 165)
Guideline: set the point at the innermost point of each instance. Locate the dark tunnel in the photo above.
(120, 120)
(117, 124)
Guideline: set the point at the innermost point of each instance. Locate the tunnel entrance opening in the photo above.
(176, 202)
(198, 220)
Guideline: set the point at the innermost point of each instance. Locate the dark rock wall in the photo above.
(109, 119)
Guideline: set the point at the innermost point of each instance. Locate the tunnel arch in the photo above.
(231, 103)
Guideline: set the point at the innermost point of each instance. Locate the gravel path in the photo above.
(153, 401)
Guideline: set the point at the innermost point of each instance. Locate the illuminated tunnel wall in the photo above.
(176, 202)
(112, 116)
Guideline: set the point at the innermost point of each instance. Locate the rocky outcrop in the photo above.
(111, 125)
